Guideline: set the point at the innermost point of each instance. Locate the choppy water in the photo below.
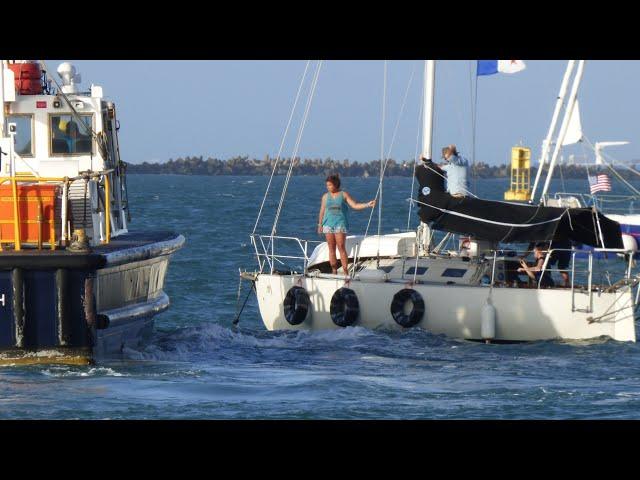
(199, 366)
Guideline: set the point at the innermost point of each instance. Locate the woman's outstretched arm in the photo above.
(358, 206)
(321, 215)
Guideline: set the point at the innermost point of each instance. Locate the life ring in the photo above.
(345, 307)
(397, 308)
(296, 305)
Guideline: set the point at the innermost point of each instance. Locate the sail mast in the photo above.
(424, 232)
(564, 127)
(427, 118)
(546, 146)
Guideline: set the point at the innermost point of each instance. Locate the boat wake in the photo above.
(214, 340)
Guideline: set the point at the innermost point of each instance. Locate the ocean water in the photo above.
(199, 366)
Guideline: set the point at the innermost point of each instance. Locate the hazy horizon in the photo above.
(224, 109)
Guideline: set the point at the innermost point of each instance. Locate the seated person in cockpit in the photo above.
(535, 272)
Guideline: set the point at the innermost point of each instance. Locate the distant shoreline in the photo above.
(244, 166)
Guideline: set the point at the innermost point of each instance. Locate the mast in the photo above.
(427, 118)
(424, 232)
(564, 127)
(546, 145)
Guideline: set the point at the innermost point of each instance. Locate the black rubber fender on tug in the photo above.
(397, 308)
(345, 308)
(296, 305)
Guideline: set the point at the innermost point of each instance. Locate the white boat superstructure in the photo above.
(65, 135)
(78, 284)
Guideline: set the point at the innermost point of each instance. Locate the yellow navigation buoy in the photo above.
(520, 186)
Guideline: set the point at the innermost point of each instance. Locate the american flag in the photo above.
(599, 183)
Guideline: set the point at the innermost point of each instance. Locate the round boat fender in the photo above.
(400, 299)
(296, 305)
(488, 322)
(629, 243)
(345, 308)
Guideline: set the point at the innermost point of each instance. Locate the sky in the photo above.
(222, 109)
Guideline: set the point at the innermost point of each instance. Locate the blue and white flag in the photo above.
(489, 67)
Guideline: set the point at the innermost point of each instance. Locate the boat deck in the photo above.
(122, 248)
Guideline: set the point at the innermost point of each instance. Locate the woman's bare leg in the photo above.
(341, 239)
(333, 261)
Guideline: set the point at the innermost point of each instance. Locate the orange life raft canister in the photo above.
(28, 78)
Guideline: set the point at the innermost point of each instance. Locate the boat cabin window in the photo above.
(387, 269)
(24, 134)
(454, 272)
(68, 137)
(418, 271)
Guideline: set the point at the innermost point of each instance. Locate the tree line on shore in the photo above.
(243, 165)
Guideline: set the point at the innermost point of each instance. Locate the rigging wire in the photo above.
(494, 222)
(627, 184)
(99, 138)
(391, 145)
(284, 137)
(415, 157)
(474, 112)
(458, 108)
(305, 116)
(388, 156)
(563, 186)
(379, 193)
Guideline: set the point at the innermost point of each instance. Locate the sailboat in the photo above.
(619, 208)
(401, 280)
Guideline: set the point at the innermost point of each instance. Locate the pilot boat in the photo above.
(76, 284)
(471, 291)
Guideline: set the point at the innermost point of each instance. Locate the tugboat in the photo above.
(474, 290)
(75, 284)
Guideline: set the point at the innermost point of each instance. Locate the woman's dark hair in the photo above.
(335, 179)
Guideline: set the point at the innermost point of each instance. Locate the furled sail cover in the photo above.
(509, 222)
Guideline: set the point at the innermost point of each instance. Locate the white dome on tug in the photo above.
(70, 77)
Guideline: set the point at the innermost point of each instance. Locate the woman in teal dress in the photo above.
(333, 220)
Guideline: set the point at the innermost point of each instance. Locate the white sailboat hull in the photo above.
(455, 310)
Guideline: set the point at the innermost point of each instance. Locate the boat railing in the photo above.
(583, 270)
(620, 204)
(267, 248)
(64, 217)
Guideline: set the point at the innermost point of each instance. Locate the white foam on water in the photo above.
(181, 344)
(66, 372)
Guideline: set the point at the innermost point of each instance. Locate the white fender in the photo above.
(373, 276)
(488, 325)
(629, 242)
